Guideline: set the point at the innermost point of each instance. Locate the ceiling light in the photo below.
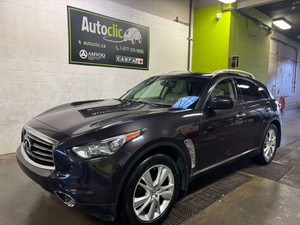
(282, 24)
(227, 1)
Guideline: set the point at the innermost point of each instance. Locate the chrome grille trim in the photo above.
(40, 154)
(41, 147)
(40, 158)
(24, 154)
(37, 139)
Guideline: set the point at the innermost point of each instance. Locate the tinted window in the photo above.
(153, 91)
(263, 93)
(224, 88)
(249, 90)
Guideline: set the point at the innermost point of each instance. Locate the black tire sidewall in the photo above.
(128, 213)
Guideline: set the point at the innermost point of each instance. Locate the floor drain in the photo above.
(272, 171)
(190, 206)
(281, 152)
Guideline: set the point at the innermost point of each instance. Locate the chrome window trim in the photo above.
(224, 161)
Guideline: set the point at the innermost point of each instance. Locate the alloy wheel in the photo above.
(270, 144)
(153, 193)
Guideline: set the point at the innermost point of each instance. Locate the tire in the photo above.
(269, 146)
(156, 196)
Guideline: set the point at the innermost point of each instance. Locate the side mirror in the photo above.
(221, 102)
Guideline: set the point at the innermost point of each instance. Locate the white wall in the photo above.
(281, 75)
(34, 70)
(168, 9)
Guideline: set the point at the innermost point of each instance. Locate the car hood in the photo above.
(79, 117)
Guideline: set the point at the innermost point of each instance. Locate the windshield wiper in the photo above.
(153, 104)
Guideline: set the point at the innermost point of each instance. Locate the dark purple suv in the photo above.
(128, 158)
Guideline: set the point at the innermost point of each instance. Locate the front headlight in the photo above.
(104, 147)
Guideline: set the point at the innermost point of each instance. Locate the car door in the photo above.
(258, 111)
(222, 131)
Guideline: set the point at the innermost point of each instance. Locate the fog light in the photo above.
(69, 201)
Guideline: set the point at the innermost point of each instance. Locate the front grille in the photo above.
(38, 150)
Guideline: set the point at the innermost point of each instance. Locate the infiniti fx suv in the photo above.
(127, 159)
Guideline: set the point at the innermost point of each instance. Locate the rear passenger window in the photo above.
(263, 93)
(249, 90)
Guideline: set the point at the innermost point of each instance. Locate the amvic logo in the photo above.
(111, 33)
(91, 55)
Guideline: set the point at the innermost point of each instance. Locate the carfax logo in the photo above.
(111, 33)
(91, 55)
(131, 60)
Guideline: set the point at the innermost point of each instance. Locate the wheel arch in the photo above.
(170, 149)
(277, 124)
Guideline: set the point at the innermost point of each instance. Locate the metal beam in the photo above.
(254, 3)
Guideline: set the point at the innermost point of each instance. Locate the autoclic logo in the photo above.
(111, 33)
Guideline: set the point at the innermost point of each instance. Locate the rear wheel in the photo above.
(269, 146)
(151, 191)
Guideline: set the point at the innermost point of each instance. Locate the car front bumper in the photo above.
(88, 184)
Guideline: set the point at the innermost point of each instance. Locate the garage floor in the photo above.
(256, 201)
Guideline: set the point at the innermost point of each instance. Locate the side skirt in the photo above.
(224, 161)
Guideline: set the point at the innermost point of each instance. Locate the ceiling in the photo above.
(288, 9)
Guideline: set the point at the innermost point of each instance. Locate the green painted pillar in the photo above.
(217, 40)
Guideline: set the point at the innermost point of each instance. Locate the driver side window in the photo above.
(224, 88)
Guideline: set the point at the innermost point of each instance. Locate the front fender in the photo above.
(150, 148)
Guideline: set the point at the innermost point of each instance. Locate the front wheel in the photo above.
(151, 191)
(269, 146)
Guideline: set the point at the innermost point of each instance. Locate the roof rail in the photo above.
(177, 71)
(239, 72)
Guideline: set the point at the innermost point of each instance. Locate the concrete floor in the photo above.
(259, 201)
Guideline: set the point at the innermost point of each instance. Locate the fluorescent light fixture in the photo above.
(243, 86)
(227, 1)
(282, 24)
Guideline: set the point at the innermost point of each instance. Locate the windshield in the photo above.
(176, 92)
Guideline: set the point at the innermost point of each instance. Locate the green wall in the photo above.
(210, 39)
(253, 51)
(216, 41)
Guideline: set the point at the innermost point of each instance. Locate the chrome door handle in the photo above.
(240, 116)
(267, 109)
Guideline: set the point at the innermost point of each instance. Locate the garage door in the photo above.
(282, 72)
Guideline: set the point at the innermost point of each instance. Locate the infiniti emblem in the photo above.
(27, 144)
